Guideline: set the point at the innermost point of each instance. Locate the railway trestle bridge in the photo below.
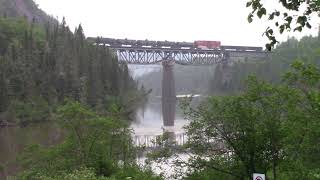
(146, 52)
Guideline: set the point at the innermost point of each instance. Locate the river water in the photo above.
(14, 139)
(150, 121)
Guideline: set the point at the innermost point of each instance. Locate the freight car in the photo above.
(241, 48)
(207, 44)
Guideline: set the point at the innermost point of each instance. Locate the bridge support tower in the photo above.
(168, 95)
(226, 70)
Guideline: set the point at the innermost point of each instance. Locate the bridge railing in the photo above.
(180, 139)
(152, 141)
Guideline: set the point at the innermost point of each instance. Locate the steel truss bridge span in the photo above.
(144, 52)
(165, 44)
(140, 55)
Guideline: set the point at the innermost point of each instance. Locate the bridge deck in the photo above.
(131, 52)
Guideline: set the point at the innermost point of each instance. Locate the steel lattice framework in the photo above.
(138, 55)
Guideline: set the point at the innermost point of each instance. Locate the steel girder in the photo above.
(133, 55)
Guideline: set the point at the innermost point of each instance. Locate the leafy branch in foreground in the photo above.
(293, 15)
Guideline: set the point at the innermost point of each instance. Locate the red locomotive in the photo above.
(207, 44)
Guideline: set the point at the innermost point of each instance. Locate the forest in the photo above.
(52, 75)
(77, 103)
(265, 119)
(42, 66)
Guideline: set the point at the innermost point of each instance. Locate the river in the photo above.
(14, 139)
(150, 121)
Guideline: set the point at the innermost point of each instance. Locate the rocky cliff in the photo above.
(24, 8)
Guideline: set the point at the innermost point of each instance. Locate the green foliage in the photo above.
(82, 174)
(135, 173)
(167, 148)
(40, 67)
(244, 124)
(13, 31)
(51, 63)
(209, 175)
(35, 109)
(294, 15)
(272, 129)
(92, 142)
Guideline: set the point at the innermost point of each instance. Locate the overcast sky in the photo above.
(173, 20)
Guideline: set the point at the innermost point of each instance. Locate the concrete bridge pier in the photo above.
(168, 95)
(226, 73)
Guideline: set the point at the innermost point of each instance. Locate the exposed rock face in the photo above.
(24, 8)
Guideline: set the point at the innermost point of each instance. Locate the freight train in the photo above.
(205, 45)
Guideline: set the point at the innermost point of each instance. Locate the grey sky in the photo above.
(174, 20)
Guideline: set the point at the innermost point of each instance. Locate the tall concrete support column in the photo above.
(168, 94)
(226, 71)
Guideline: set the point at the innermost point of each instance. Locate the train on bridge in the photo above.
(203, 44)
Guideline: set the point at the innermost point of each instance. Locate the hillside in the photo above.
(24, 8)
(46, 69)
(307, 49)
(40, 67)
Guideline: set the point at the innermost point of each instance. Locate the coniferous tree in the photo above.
(49, 64)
